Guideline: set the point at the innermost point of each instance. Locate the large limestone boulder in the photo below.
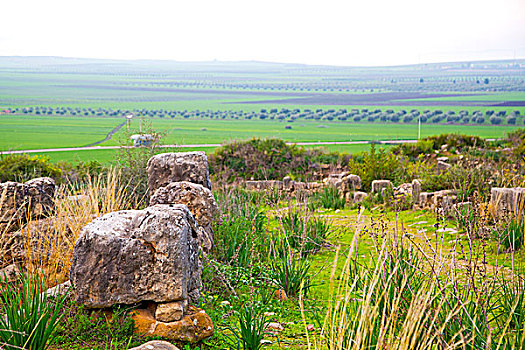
(264, 185)
(130, 256)
(507, 201)
(335, 179)
(379, 185)
(165, 168)
(351, 183)
(199, 201)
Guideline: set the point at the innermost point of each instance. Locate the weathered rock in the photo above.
(79, 200)
(288, 183)
(274, 327)
(175, 167)
(335, 180)
(194, 326)
(12, 205)
(199, 201)
(359, 196)
(403, 190)
(442, 166)
(37, 237)
(138, 255)
(263, 185)
(447, 205)
(425, 199)
(378, 185)
(507, 201)
(156, 345)
(502, 199)
(440, 198)
(59, 290)
(22, 201)
(351, 183)
(40, 196)
(416, 190)
(9, 273)
(173, 311)
(313, 186)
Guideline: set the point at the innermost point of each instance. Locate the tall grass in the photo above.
(48, 245)
(28, 315)
(415, 295)
(328, 198)
(305, 232)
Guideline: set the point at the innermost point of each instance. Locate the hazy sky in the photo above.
(364, 32)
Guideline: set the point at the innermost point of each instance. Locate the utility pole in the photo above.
(128, 120)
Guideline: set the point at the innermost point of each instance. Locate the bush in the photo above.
(291, 275)
(328, 198)
(132, 162)
(434, 143)
(22, 167)
(251, 327)
(267, 159)
(381, 165)
(512, 234)
(306, 234)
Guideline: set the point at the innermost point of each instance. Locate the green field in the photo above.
(111, 88)
(59, 132)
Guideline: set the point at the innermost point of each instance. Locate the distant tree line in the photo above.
(363, 115)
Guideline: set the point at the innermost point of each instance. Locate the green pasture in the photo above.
(36, 132)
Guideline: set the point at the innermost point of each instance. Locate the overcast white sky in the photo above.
(364, 32)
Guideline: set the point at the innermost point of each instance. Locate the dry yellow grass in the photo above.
(48, 244)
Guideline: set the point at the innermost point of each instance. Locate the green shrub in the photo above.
(433, 143)
(380, 165)
(132, 162)
(267, 159)
(22, 167)
(249, 332)
(328, 198)
(512, 234)
(291, 275)
(305, 233)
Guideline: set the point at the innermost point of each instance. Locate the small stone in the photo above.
(269, 314)
(274, 326)
(173, 311)
(144, 321)
(156, 345)
(280, 294)
(9, 273)
(59, 290)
